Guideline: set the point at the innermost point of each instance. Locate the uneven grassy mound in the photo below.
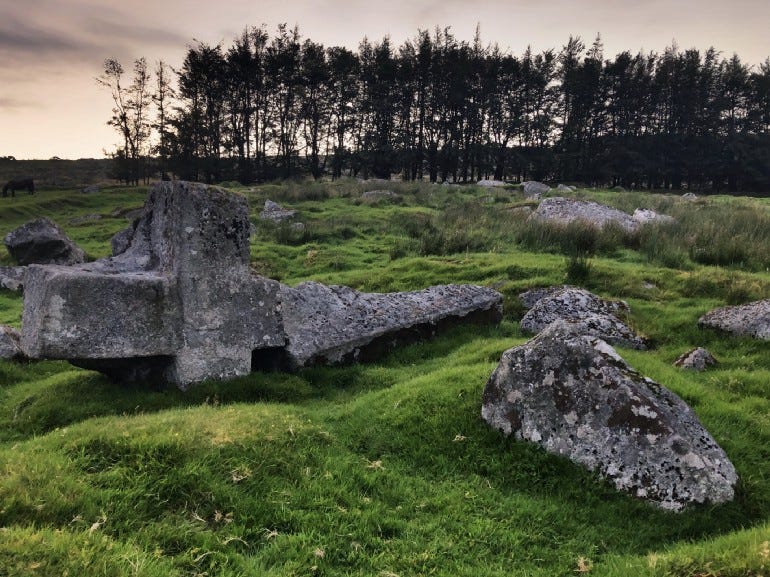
(387, 469)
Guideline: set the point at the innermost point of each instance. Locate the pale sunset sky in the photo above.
(52, 50)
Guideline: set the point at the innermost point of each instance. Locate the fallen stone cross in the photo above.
(179, 304)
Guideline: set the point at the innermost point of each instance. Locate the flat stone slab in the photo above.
(575, 396)
(562, 211)
(336, 324)
(749, 320)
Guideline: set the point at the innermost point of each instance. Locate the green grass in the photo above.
(383, 469)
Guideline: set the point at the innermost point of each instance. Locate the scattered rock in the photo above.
(749, 320)
(534, 189)
(128, 213)
(491, 183)
(374, 196)
(10, 347)
(91, 189)
(649, 216)
(85, 218)
(575, 396)
(12, 277)
(41, 241)
(689, 196)
(566, 188)
(596, 316)
(121, 240)
(697, 360)
(562, 211)
(336, 324)
(275, 212)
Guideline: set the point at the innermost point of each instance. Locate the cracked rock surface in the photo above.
(575, 396)
(749, 320)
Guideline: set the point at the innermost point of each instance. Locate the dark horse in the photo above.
(14, 185)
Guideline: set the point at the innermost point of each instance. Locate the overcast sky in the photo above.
(51, 50)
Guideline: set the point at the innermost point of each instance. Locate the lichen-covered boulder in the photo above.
(274, 212)
(698, 359)
(336, 324)
(562, 211)
(575, 396)
(10, 343)
(749, 320)
(535, 189)
(41, 241)
(598, 316)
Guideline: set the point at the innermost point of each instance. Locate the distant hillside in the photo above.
(58, 173)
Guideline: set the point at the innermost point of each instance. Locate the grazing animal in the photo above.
(14, 185)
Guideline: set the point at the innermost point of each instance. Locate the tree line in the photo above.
(439, 108)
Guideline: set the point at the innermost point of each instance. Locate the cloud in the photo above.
(9, 103)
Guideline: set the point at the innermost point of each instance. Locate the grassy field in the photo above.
(387, 469)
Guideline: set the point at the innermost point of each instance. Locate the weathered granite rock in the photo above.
(575, 396)
(379, 194)
(121, 240)
(41, 241)
(689, 196)
(275, 212)
(749, 320)
(12, 277)
(336, 324)
(698, 360)
(491, 183)
(10, 347)
(596, 316)
(178, 306)
(562, 211)
(566, 188)
(649, 216)
(535, 189)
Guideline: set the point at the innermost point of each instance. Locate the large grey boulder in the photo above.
(575, 396)
(749, 320)
(535, 189)
(12, 277)
(41, 241)
(336, 324)
(562, 211)
(10, 345)
(566, 188)
(274, 212)
(178, 306)
(598, 317)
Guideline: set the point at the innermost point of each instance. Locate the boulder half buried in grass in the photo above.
(575, 396)
(597, 317)
(336, 324)
(562, 211)
(749, 320)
